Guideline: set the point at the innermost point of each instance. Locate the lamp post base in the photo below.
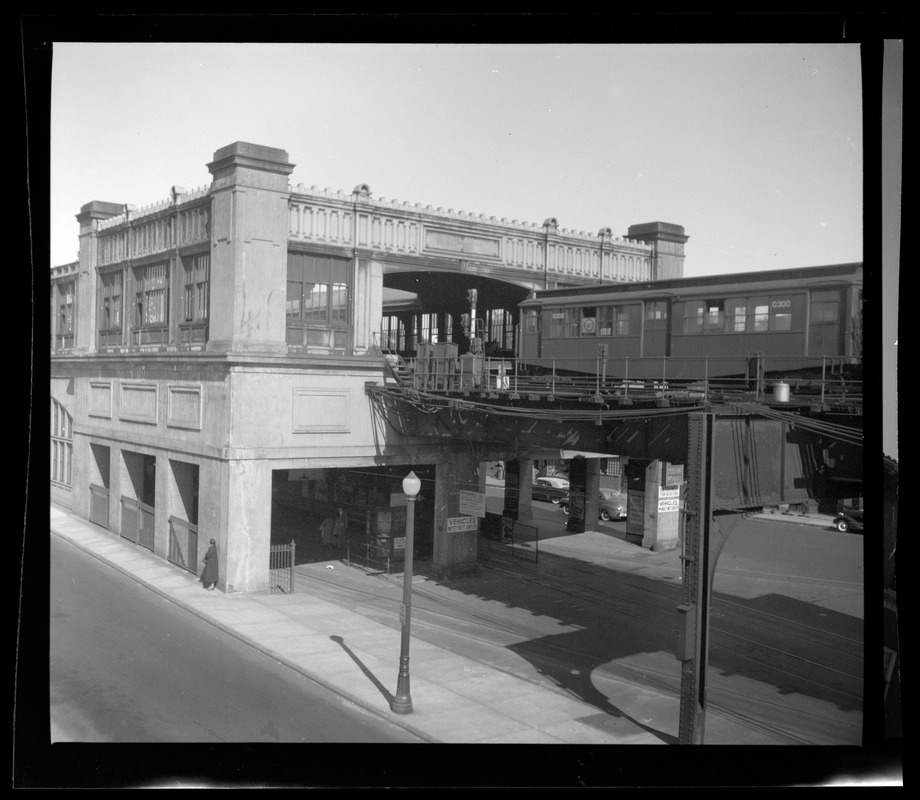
(402, 702)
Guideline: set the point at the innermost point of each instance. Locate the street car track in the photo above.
(779, 666)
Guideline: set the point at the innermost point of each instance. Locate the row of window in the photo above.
(150, 285)
(735, 315)
(318, 291)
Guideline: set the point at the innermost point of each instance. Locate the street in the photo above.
(127, 665)
(786, 643)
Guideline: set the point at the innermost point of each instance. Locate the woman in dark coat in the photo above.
(209, 573)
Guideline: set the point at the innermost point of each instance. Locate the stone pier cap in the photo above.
(269, 159)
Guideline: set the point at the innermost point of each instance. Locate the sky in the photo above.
(755, 149)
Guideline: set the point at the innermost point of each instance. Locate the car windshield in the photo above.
(610, 494)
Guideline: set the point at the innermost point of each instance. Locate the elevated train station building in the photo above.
(215, 358)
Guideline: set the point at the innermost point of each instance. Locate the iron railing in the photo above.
(99, 505)
(183, 544)
(820, 378)
(137, 522)
(281, 568)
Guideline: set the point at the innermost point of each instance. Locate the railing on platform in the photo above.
(818, 378)
(281, 568)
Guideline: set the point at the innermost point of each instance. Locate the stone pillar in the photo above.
(668, 240)
(249, 238)
(654, 519)
(368, 304)
(455, 551)
(584, 494)
(244, 530)
(592, 493)
(519, 489)
(86, 298)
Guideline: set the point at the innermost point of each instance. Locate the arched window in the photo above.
(61, 444)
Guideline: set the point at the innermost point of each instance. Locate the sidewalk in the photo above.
(456, 699)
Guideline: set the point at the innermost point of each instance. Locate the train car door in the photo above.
(825, 328)
(530, 334)
(656, 334)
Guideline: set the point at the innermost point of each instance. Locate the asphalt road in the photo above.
(127, 665)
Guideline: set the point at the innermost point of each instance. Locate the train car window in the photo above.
(693, 316)
(564, 323)
(605, 321)
(530, 322)
(622, 315)
(714, 319)
(656, 309)
(760, 313)
(737, 315)
(780, 314)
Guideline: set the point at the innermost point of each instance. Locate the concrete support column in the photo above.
(249, 243)
(368, 303)
(455, 551)
(584, 494)
(519, 489)
(244, 531)
(86, 294)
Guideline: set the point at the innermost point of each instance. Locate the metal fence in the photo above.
(99, 505)
(509, 538)
(137, 522)
(369, 554)
(281, 568)
(183, 544)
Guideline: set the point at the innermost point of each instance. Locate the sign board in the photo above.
(668, 493)
(399, 542)
(635, 512)
(472, 503)
(674, 473)
(457, 524)
(668, 504)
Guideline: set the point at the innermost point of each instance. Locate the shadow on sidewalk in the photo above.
(387, 695)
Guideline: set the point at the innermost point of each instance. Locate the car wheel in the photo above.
(605, 515)
(556, 501)
(565, 509)
(842, 525)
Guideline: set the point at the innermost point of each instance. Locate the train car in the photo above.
(802, 323)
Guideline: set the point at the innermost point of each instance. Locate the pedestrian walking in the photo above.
(325, 530)
(209, 573)
(340, 531)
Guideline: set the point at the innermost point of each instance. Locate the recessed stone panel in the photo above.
(463, 244)
(320, 410)
(100, 399)
(183, 409)
(138, 402)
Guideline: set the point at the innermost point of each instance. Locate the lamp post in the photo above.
(402, 702)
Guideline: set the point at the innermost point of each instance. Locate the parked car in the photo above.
(548, 490)
(612, 505)
(559, 481)
(849, 520)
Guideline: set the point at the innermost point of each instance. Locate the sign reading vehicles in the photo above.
(457, 524)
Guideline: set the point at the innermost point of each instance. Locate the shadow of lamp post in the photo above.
(402, 702)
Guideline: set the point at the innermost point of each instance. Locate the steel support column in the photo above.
(704, 536)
